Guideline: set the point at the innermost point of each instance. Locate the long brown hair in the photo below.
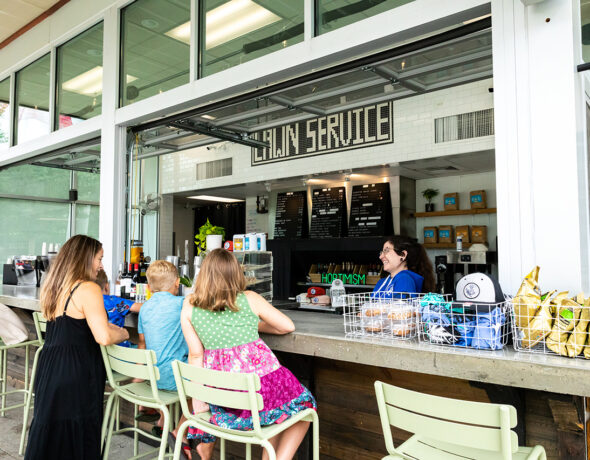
(417, 260)
(73, 263)
(219, 282)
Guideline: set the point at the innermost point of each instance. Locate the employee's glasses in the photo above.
(385, 251)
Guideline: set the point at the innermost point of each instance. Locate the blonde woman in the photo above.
(220, 322)
(69, 385)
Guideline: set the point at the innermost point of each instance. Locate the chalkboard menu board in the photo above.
(370, 210)
(328, 213)
(291, 215)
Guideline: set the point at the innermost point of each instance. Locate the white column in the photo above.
(540, 144)
(112, 156)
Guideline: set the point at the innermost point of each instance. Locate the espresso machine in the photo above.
(462, 263)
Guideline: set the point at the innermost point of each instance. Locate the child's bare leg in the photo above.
(205, 450)
(290, 440)
(274, 442)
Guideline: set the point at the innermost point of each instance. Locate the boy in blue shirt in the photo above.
(117, 307)
(159, 326)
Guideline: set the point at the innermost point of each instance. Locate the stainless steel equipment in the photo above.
(25, 268)
(461, 263)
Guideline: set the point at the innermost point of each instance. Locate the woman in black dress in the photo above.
(70, 380)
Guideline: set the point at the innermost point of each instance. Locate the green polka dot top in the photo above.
(226, 329)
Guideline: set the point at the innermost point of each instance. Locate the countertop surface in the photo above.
(322, 335)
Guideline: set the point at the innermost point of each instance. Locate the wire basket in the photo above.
(550, 329)
(374, 314)
(463, 324)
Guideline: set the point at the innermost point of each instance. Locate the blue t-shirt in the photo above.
(404, 281)
(159, 322)
(117, 308)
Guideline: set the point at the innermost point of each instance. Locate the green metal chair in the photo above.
(40, 327)
(136, 364)
(446, 429)
(236, 391)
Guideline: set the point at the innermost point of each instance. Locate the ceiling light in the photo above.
(89, 83)
(219, 199)
(150, 23)
(469, 21)
(208, 117)
(228, 21)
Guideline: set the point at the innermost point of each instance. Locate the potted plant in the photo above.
(209, 235)
(429, 194)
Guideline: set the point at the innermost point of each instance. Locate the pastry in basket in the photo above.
(397, 314)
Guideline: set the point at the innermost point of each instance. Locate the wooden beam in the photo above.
(33, 23)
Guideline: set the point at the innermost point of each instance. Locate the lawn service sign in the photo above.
(351, 129)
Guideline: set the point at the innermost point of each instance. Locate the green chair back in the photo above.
(214, 387)
(132, 363)
(471, 424)
(40, 325)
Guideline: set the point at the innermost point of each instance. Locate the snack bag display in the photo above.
(565, 320)
(527, 299)
(578, 337)
(540, 326)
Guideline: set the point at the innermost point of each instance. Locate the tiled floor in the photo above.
(10, 432)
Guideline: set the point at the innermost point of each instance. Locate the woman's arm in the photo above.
(272, 321)
(89, 297)
(195, 348)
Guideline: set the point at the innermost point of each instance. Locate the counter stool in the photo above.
(40, 327)
(136, 364)
(236, 391)
(448, 429)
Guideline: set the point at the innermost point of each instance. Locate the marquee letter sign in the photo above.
(362, 127)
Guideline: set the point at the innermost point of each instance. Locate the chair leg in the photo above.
(107, 417)
(111, 422)
(315, 426)
(248, 451)
(29, 397)
(165, 431)
(222, 449)
(180, 435)
(135, 433)
(269, 449)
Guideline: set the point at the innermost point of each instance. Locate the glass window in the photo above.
(236, 31)
(88, 186)
(333, 14)
(155, 48)
(585, 19)
(25, 225)
(28, 180)
(79, 78)
(32, 100)
(4, 113)
(87, 220)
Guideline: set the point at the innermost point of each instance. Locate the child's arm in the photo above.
(195, 348)
(135, 307)
(272, 321)
(141, 341)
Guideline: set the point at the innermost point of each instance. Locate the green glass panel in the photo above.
(237, 31)
(79, 78)
(88, 186)
(87, 220)
(25, 225)
(4, 113)
(333, 14)
(32, 100)
(155, 46)
(38, 181)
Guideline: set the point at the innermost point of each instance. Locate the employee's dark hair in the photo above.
(417, 260)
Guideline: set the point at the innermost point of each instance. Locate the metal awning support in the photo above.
(394, 77)
(292, 105)
(219, 133)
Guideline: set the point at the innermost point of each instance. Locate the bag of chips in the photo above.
(578, 337)
(527, 299)
(539, 327)
(568, 314)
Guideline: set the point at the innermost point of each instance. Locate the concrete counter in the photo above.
(322, 335)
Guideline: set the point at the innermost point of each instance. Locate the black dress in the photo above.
(69, 388)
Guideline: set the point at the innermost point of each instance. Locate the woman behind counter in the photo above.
(408, 265)
(70, 379)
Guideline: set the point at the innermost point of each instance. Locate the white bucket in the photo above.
(213, 242)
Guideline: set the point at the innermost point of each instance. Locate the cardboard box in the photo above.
(431, 234)
(451, 201)
(462, 230)
(479, 234)
(445, 234)
(478, 199)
